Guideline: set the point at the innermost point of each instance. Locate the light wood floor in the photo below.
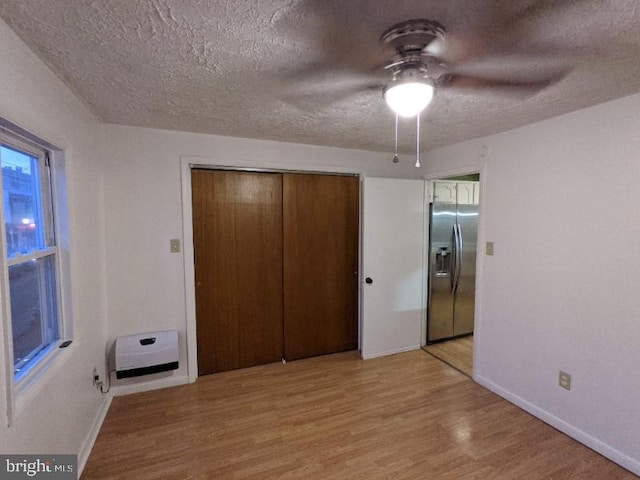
(406, 416)
(457, 352)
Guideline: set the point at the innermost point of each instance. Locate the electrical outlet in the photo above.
(95, 376)
(564, 380)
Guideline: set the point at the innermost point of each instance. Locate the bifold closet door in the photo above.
(321, 221)
(237, 233)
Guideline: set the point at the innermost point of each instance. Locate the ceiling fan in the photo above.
(498, 52)
(419, 55)
(415, 50)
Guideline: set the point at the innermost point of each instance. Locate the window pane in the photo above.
(34, 310)
(22, 212)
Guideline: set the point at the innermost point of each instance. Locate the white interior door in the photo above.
(393, 288)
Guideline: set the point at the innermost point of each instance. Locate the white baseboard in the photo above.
(389, 352)
(91, 437)
(602, 448)
(143, 385)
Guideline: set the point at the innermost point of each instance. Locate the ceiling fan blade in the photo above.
(504, 30)
(334, 34)
(318, 76)
(607, 30)
(324, 92)
(512, 87)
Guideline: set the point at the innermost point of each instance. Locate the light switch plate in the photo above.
(174, 244)
(489, 249)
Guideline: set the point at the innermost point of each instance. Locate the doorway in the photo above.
(276, 266)
(452, 250)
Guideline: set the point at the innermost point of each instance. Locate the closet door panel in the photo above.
(237, 222)
(321, 221)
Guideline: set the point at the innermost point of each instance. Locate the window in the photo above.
(31, 254)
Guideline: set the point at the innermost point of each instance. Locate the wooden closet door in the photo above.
(237, 233)
(321, 220)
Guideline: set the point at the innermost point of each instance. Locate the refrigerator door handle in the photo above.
(460, 252)
(458, 256)
(459, 259)
(454, 260)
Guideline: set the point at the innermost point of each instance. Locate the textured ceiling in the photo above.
(294, 70)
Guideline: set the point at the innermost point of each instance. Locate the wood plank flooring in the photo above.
(457, 352)
(406, 416)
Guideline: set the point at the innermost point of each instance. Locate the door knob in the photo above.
(368, 280)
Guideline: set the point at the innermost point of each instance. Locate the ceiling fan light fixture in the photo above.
(409, 98)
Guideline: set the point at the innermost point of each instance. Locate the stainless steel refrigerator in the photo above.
(453, 231)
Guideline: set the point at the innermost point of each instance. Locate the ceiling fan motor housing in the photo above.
(410, 72)
(408, 46)
(412, 36)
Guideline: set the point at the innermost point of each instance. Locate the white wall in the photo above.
(561, 291)
(64, 405)
(145, 282)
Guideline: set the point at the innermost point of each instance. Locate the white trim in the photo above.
(189, 270)
(480, 259)
(92, 435)
(458, 171)
(14, 142)
(242, 164)
(36, 255)
(166, 382)
(425, 263)
(391, 352)
(360, 259)
(24, 136)
(604, 449)
(7, 377)
(20, 393)
(480, 168)
(58, 185)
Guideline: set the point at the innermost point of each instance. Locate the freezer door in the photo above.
(467, 216)
(441, 262)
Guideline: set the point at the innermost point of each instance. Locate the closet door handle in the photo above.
(368, 280)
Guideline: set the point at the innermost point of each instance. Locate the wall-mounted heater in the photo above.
(146, 353)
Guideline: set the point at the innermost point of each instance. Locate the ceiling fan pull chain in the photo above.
(395, 155)
(418, 141)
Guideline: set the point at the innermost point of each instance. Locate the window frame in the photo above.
(20, 387)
